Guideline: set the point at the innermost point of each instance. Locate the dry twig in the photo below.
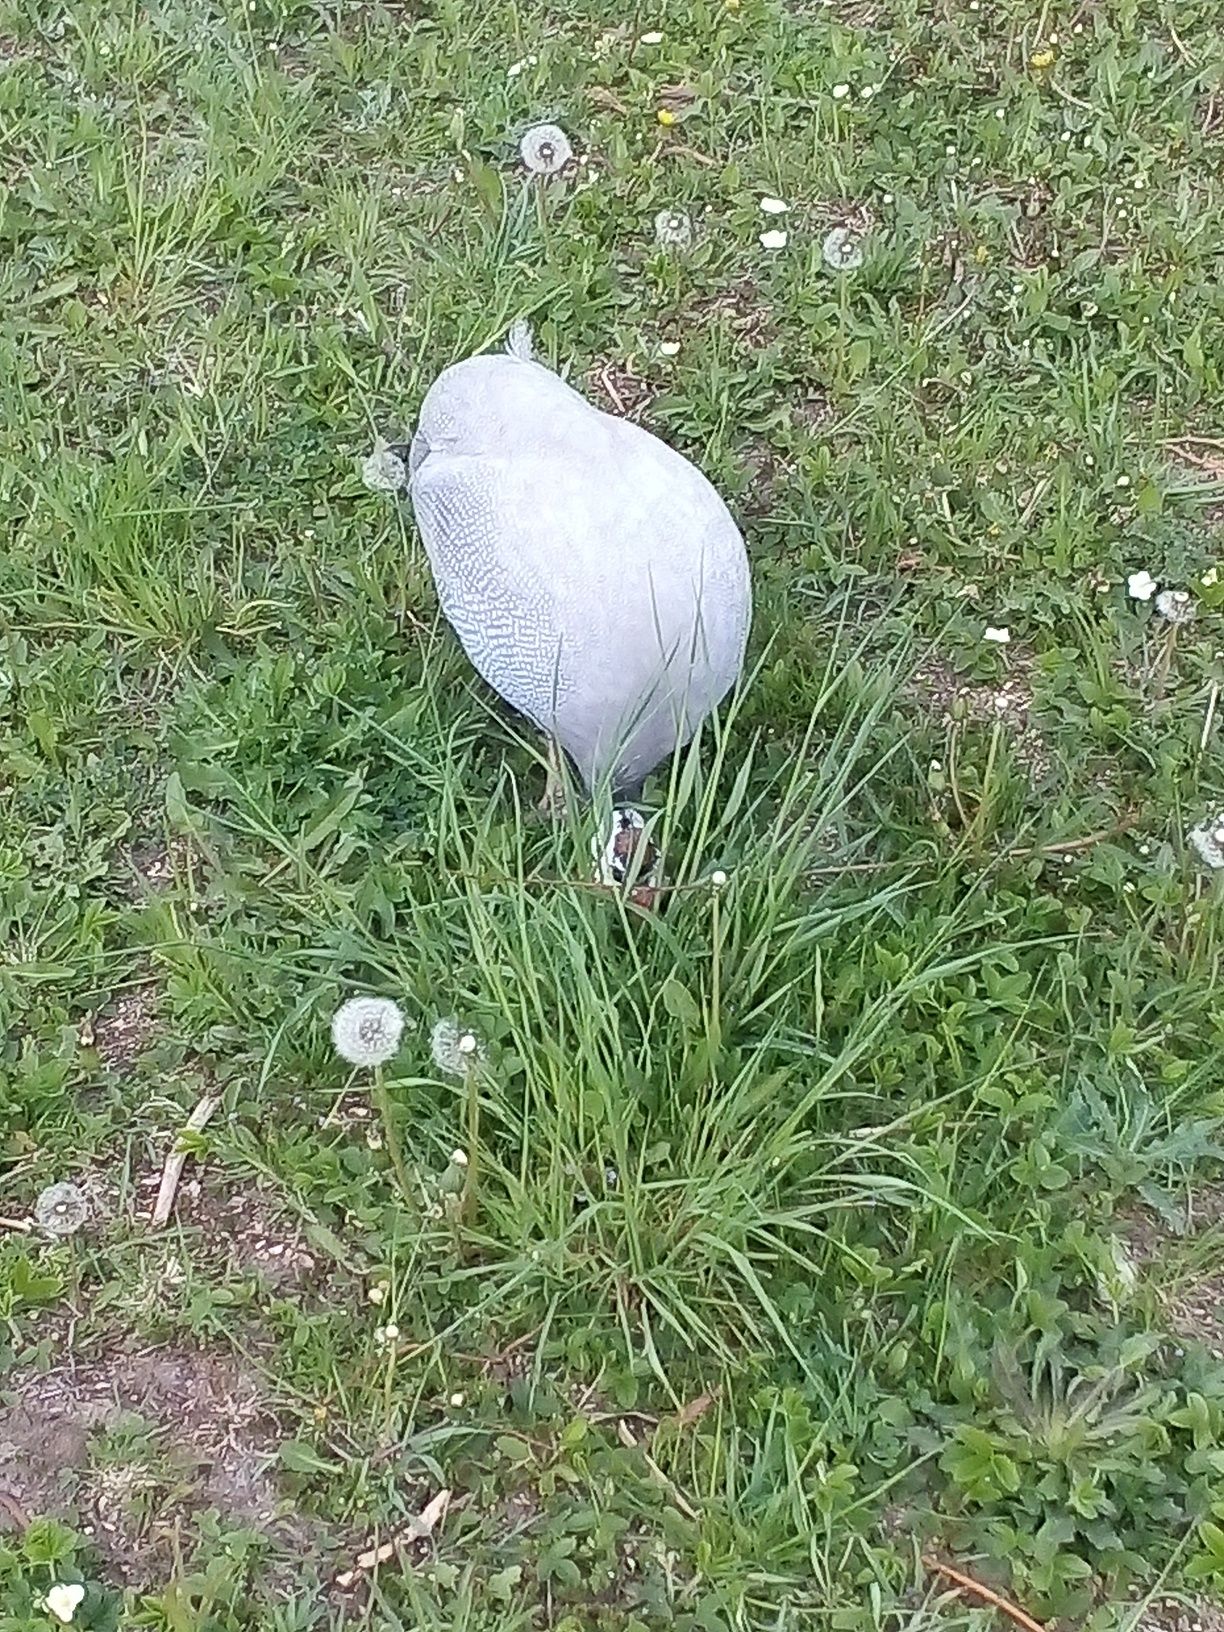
(988, 1595)
(176, 1160)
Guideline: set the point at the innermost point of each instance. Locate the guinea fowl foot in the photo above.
(553, 805)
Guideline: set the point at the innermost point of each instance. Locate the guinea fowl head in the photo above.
(626, 855)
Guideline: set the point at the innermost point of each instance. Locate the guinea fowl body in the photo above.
(593, 576)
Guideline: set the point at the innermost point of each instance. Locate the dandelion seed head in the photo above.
(718, 879)
(61, 1209)
(366, 1031)
(459, 1158)
(384, 472)
(840, 92)
(774, 206)
(774, 239)
(673, 229)
(1207, 839)
(454, 1050)
(841, 250)
(1176, 605)
(545, 150)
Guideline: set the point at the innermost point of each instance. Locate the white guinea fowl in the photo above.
(592, 574)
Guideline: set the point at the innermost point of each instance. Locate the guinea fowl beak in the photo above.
(628, 859)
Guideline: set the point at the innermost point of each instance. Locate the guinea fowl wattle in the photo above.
(593, 576)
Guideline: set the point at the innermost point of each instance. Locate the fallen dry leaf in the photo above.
(419, 1528)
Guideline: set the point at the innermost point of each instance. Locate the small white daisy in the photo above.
(1141, 586)
(64, 1599)
(774, 206)
(545, 150)
(840, 92)
(775, 238)
(366, 1031)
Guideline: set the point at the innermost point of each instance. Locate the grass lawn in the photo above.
(856, 1216)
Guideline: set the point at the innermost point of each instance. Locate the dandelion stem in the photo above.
(386, 1113)
(473, 1141)
(715, 976)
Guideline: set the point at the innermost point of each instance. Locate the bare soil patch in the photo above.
(1181, 1615)
(123, 1032)
(941, 692)
(1193, 1299)
(132, 1446)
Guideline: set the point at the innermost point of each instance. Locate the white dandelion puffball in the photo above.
(63, 1600)
(1176, 605)
(997, 637)
(1141, 586)
(669, 348)
(383, 471)
(454, 1050)
(673, 229)
(774, 239)
(545, 150)
(61, 1209)
(774, 206)
(842, 250)
(1208, 840)
(366, 1030)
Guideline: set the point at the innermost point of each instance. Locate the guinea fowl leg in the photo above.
(552, 804)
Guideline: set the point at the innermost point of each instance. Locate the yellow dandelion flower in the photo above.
(665, 117)
(981, 254)
(1042, 59)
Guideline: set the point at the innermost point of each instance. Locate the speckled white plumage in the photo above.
(592, 574)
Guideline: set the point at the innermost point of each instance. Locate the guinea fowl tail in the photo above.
(519, 342)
